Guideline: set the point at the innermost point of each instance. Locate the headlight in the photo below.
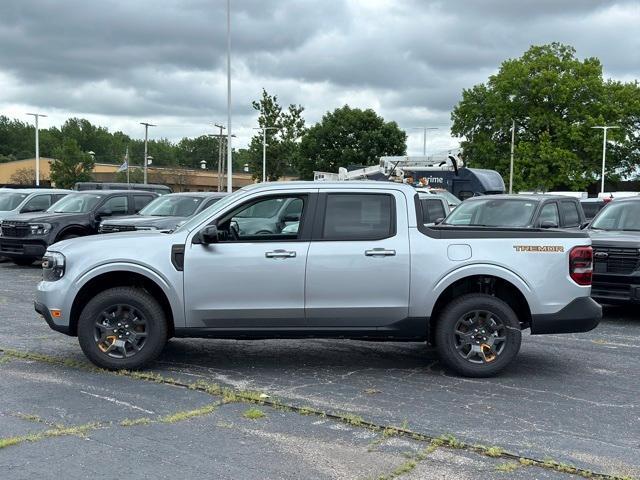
(53, 264)
(39, 228)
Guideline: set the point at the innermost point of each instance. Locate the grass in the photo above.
(507, 467)
(135, 421)
(187, 414)
(253, 413)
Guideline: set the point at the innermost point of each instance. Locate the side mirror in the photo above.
(584, 225)
(104, 212)
(291, 218)
(439, 220)
(207, 235)
(548, 224)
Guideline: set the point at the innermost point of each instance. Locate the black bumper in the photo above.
(22, 248)
(44, 311)
(581, 315)
(616, 289)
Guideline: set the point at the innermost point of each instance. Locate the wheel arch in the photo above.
(72, 229)
(489, 284)
(119, 278)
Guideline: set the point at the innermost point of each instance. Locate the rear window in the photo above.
(358, 217)
(432, 210)
(488, 212)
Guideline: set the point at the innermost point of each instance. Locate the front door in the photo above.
(358, 266)
(249, 281)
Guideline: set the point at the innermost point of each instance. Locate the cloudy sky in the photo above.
(120, 62)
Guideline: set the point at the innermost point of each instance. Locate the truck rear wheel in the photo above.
(477, 335)
(122, 328)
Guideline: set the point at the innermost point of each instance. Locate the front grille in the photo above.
(616, 260)
(11, 247)
(15, 229)
(116, 228)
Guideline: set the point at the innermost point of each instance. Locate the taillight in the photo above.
(581, 265)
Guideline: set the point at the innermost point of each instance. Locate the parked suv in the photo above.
(615, 233)
(25, 237)
(163, 213)
(27, 200)
(520, 211)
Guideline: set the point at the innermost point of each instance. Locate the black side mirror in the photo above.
(207, 235)
(584, 225)
(104, 212)
(439, 220)
(291, 218)
(548, 224)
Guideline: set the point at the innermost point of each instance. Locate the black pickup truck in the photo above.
(25, 237)
(615, 236)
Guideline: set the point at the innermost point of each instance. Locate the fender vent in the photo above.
(177, 256)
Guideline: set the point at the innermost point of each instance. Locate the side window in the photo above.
(207, 203)
(57, 197)
(37, 204)
(549, 213)
(570, 215)
(117, 205)
(358, 217)
(432, 209)
(141, 201)
(260, 220)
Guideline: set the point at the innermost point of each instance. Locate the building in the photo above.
(179, 179)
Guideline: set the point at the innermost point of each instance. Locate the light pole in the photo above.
(264, 149)
(424, 139)
(604, 129)
(513, 141)
(221, 127)
(146, 138)
(229, 156)
(36, 116)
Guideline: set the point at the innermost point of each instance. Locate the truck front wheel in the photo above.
(122, 328)
(477, 335)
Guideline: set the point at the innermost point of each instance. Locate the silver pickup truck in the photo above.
(362, 264)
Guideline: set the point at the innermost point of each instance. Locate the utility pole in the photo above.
(604, 129)
(513, 139)
(424, 139)
(264, 149)
(229, 152)
(146, 138)
(220, 169)
(36, 116)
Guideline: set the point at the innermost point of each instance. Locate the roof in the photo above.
(37, 190)
(195, 194)
(351, 184)
(531, 197)
(110, 192)
(623, 199)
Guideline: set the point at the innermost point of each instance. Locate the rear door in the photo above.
(357, 272)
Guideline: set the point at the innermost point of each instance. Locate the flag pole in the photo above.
(126, 158)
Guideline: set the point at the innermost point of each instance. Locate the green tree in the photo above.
(71, 165)
(554, 99)
(282, 139)
(348, 136)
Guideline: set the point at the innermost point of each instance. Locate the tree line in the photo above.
(553, 98)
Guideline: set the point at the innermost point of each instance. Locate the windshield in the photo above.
(448, 196)
(11, 200)
(623, 216)
(75, 203)
(493, 213)
(172, 206)
(209, 211)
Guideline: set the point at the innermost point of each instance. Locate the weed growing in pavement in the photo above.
(187, 414)
(253, 413)
(507, 467)
(135, 422)
(494, 452)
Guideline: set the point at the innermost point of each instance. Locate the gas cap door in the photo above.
(459, 252)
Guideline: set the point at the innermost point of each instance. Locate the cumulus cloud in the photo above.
(119, 62)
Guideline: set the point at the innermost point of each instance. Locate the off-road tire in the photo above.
(142, 301)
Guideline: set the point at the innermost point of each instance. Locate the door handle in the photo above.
(380, 252)
(280, 254)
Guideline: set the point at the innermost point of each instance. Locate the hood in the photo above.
(47, 217)
(126, 242)
(610, 238)
(161, 223)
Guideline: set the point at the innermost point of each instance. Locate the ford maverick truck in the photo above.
(361, 264)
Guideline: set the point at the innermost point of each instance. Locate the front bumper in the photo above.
(23, 248)
(44, 311)
(581, 315)
(616, 289)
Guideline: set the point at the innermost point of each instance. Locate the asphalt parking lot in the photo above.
(314, 408)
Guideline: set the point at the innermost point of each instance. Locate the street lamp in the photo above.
(264, 149)
(513, 142)
(203, 164)
(604, 128)
(146, 137)
(36, 116)
(229, 152)
(424, 140)
(149, 162)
